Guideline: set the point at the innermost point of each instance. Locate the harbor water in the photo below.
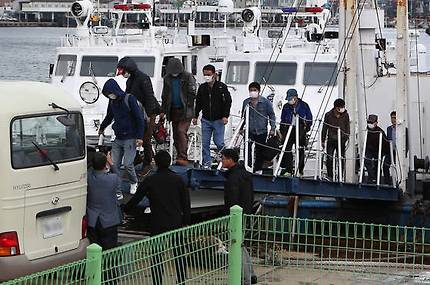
(27, 52)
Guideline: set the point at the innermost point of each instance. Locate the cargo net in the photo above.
(302, 251)
(192, 255)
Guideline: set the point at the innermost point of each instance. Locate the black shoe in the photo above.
(254, 279)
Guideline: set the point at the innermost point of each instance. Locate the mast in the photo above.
(402, 94)
(350, 83)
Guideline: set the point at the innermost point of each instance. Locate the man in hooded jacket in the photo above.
(178, 95)
(139, 84)
(128, 127)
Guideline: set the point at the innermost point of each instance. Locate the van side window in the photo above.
(35, 140)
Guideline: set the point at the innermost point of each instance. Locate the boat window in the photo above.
(56, 137)
(279, 73)
(237, 72)
(66, 65)
(320, 73)
(99, 66)
(145, 64)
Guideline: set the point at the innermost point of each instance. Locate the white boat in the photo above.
(88, 58)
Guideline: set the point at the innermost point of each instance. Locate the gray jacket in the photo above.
(102, 203)
(188, 89)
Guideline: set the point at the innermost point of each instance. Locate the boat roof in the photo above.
(27, 97)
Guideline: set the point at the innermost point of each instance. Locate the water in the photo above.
(27, 52)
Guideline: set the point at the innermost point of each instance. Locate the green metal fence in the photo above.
(346, 252)
(237, 249)
(196, 254)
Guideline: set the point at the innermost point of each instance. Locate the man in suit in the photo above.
(169, 199)
(103, 209)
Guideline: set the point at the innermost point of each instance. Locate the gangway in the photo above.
(294, 186)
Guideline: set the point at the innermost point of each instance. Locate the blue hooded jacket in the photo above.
(302, 110)
(128, 120)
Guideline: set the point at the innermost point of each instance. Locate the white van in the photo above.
(42, 178)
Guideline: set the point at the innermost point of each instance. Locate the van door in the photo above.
(48, 155)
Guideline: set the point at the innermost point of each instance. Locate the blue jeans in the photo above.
(124, 151)
(208, 128)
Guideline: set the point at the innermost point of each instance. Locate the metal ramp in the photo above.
(211, 179)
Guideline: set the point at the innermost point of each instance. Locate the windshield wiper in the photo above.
(42, 152)
(55, 106)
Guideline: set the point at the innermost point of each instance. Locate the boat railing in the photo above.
(147, 39)
(316, 151)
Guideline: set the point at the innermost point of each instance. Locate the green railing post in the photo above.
(235, 252)
(93, 267)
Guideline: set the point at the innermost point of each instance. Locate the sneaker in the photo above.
(147, 210)
(119, 196)
(133, 188)
(286, 174)
(260, 172)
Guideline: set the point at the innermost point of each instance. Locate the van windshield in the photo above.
(59, 137)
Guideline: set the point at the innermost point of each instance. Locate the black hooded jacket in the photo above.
(139, 84)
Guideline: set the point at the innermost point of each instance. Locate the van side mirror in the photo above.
(51, 69)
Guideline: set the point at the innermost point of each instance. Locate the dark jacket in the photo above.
(102, 203)
(238, 189)
(169, 200)
(214, 102)
(333, 123)
(139, 84)
(302, 110)
(372, 143)
(128, 120)
(188, 89)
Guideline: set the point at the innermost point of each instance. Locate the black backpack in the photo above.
(273, 143)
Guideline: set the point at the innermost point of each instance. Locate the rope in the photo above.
(275, 48)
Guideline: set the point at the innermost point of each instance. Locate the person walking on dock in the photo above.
(103, 209)
(260, 114)
(214, 101)
(294, 108)
(169, 200)
(334, 120)
(139, 84)
(239, 190)
(128, 127)
(178, 95)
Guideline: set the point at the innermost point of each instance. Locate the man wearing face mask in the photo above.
(128, 127)
(294, 108)
(214, 100)
(139, 84)
(337, 118)
(260, 113)
(178, 95)
(372, 149)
